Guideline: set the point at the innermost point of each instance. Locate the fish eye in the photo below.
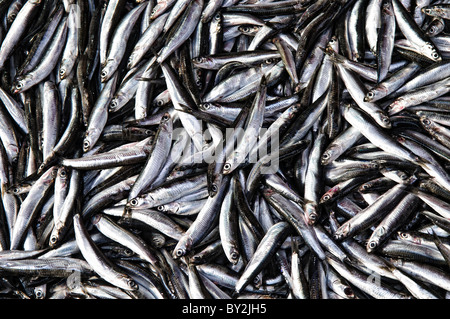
(19, 85)
(104, 74)
(63, 173)
(199, 59)
(326, 156)
(227, 166)
(16, 190)
(160, 208)
(179, 252)
(160, 103)
(54, 172)
(128, 252)
(245, 29)
(132, 284)
(39, 294)
(53, 239)
(134, 202)
(206, 106)
(370, 95)
(86, 144)
(426, 121)
(434, 55)
(372, 245)
(165, 117)
(214, 188)
(326, 197)
(403, 235)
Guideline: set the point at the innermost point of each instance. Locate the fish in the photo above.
(224, 149)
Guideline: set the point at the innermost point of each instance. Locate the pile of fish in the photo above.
(174, 149)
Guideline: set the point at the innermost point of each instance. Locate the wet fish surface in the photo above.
(173, 149)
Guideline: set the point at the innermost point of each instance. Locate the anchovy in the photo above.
(224, 149)
(413, 33)
(17, 29)
(118, 42)
(98, 261)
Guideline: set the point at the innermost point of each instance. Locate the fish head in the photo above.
(207, 106)
(396, 106)
(159, 8)
(407, 236)
(311, 213)
(114, 105)
(227, 168)
(165, 118)
(329, 154)
(234, 255)
(375, 93)
(249, 29)
(62, 174)
(213, 189)
(365, 187)
(162, 208)
(182, 247)
(425, 121)
(203, 61)
(329, 195)
(383, 119)
(89, 138)
(133, 203)
(342, 232)
(18, 85)
(131, 63)
(130, 283)
(374, 241)
(107, 71)
(62, 73)
(427, 11)
(430, 51)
